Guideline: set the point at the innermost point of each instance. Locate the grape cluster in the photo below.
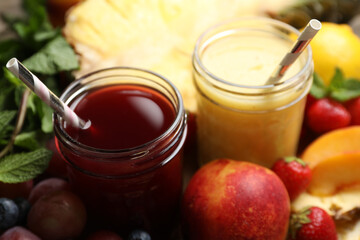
(50, 211)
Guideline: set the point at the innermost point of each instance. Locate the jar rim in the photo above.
(133, 151)
(292, 80)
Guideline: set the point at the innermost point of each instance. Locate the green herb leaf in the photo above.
(339, 89)
(56, 56)
(22, 167)
(29, 28)
(43, 50)
(27, 140)
(318, 88)
(5, 118)
(45, 116)
(350, 89)
(337, 80)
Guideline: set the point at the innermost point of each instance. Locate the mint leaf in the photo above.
(337, 81)
(56, 56)
(29, 28)
(32, 116)
(45, 115)
(350, 89)
(5, 118)
(340, 89)
(22, 167)
(31, 103)
(318, 88)
(27, 140)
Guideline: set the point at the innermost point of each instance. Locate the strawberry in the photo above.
(312, 224)
(294, 173)
(325, 115)
(310, 99)
(353, 106)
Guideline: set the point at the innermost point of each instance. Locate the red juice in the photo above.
(127, 167)
(122, 116)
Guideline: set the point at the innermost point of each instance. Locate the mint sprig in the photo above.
(340, 88)
(25, 121)
(55, 56)
(22, 167)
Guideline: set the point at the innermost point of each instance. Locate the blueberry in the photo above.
(139, 235)
(24, 208)
(9, 213)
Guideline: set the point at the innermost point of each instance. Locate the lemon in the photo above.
(336, 45)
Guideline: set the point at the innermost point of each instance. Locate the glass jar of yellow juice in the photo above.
(240, 115)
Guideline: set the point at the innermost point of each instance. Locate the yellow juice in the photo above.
(240, 115)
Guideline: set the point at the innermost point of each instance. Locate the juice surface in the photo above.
(258, 128)
(247, 59)
(122, 116)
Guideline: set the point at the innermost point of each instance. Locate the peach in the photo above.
(334, 143)
(335, 161)
(335, 174)
(228, 199)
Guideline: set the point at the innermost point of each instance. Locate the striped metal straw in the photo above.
(35, 85)
(301, 43)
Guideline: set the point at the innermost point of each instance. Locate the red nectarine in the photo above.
(228, 199)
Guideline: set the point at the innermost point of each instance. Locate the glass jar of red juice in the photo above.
(127, 166)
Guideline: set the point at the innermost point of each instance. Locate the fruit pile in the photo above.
(315, 197)
(46, 208)
(323, 186)
(334, 99)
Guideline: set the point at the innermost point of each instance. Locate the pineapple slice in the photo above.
(158, 35)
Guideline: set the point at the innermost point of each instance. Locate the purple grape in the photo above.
(18, 233)
(9, 213)
(56, 216)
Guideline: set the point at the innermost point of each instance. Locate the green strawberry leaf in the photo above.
(22, 167)
(296, 159)
(297, 219)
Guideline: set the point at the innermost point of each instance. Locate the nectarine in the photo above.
(335, 174)
(337, 142)
(335, 161)
(228, 199)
